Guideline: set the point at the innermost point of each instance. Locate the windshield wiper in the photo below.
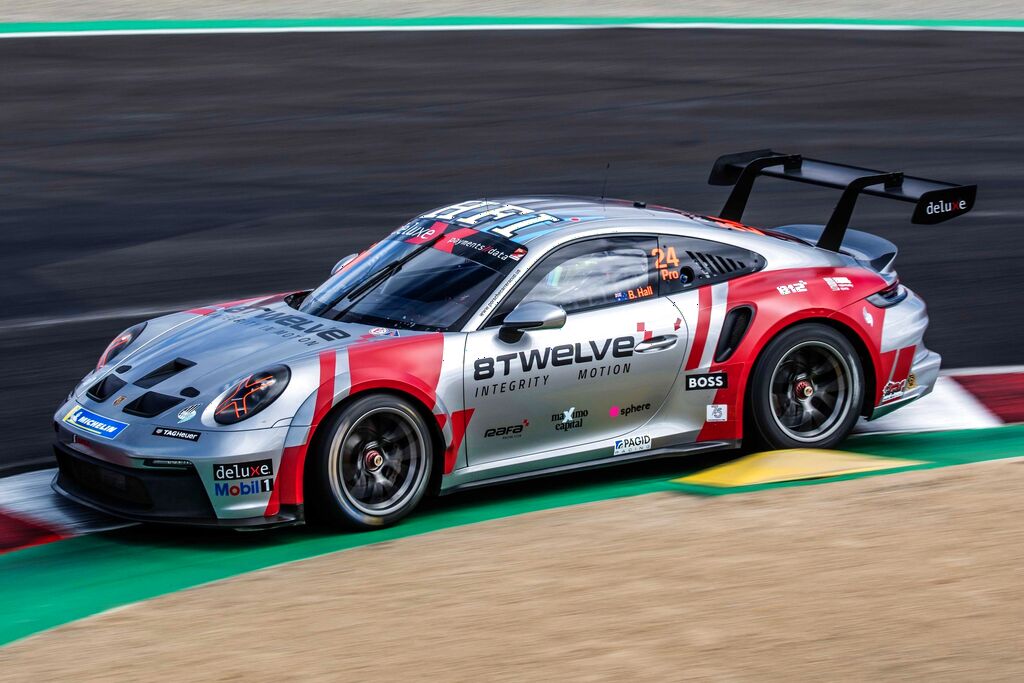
(375, 279)
(384, 273)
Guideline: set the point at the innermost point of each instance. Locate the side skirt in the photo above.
(663, 452)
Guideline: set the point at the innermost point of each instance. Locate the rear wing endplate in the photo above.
(935, 201)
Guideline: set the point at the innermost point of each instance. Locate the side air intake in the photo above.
(737, 322)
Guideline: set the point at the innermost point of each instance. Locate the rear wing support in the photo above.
(935, 201)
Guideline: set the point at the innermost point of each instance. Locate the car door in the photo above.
(604, 373)
(695, 275)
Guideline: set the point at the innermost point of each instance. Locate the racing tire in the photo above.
(371, 464)
(806, 389)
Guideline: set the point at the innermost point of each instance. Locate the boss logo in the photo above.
(710, 380)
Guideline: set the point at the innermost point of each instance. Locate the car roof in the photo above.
(564, 213)
(544, 221)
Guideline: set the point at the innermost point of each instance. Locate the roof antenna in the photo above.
(604, 187)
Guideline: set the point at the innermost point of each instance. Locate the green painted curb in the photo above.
(45, 586)
(49, 585)
(463, 22)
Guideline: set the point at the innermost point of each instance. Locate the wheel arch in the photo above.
(437, 437)
(858, 343)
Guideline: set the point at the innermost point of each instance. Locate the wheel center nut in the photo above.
(803, 389)
(373, 459)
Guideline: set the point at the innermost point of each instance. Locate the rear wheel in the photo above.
(372, 464)
(806, 389)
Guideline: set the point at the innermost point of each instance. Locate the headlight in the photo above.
(120, 343)
(252, 394)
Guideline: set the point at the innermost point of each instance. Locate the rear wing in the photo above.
(935, 201)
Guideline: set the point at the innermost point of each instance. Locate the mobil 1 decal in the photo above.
(531, 368)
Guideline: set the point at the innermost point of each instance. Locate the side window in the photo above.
(590, 274)
(687, 262)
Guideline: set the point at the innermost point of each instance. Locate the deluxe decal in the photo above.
(632, 444)
(94, 424)
(707, 380)
(940, 207)
(415, 230)
(563, 355)
(244, 470)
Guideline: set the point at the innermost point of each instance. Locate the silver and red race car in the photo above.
(497, 339)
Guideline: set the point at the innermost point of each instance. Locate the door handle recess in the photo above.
(665, 341)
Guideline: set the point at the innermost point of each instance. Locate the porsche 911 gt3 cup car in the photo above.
(496, 339)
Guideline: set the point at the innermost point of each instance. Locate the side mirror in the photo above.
(530, 315)
(343, 262)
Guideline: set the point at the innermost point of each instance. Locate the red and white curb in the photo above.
(973, 398)
(32, 514)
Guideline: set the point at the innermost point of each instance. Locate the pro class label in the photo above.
(244, 470)
(708, 380)
(183, 434)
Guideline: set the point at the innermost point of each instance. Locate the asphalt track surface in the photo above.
(149, 173)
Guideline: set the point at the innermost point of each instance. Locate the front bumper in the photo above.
(170, 496)
(148, 478)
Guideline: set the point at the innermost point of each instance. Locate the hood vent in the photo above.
(151, 404)
(164, 372)
(105, 388)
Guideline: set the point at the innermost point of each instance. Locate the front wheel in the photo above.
(806, 389)
(372, 464)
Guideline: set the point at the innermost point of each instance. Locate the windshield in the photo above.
(427, 275)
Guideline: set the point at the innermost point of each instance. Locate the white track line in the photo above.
(797, 26)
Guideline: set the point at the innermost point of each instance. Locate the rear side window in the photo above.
(686, 262)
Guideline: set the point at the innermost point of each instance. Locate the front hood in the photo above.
(216, 347)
